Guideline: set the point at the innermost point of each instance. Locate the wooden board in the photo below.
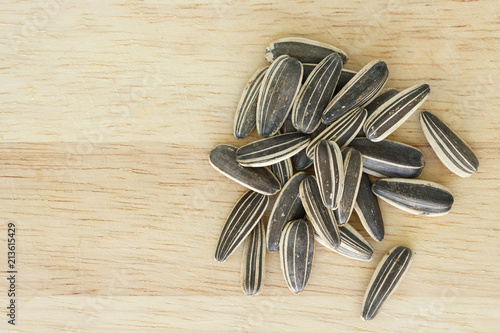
(109, 110)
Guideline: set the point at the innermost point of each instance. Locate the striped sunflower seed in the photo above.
(308, 68)
(301, 161)
(244, 119)
(288, 125)
(415, 196)
(389, 158)
(278, 89)
(386, 278)
(352, 244)
(368, 210)
(297, 253)
(329, 170)
(283, 171)
(271, 150)
(342, 131)
(242, 219)
(345, 76)
(453, 152)
(305, 50)
(261, 180)
(320, 216)
(381, 99)
(359, 91)
(390, 115)
(353, 169)
(315, 94)
(253, 263)
(287, 207)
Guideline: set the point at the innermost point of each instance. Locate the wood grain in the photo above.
(109, 110)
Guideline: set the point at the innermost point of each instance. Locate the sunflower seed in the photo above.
(415, 196)
(391, 114)
(271, 150)
(278, 89)
(296, 253)
(242, 219)
(389, 158)
(286, 208)
(283, 170)
(308, 68)
(353, 168)
(345, 76)
(253, 267)
(301, 161)
(352, 244)
(368, 210)
(330, 172)
(288, 125)
(381, 99)
(359, 91)
(315, 94)
(386, 278)
(453, 152)
(305, 50)
(244, 119)
(320, 216)
(261, 180)
(342, 131)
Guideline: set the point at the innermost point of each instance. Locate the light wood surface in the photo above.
(110, 108)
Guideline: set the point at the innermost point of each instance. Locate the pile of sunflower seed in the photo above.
(312, 112)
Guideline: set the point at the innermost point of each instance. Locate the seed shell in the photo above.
(278, 89)
(261, 180)
(342, 131)
(244, 119)
(308, 68)
(390, 115)
(453, 152)
(353, 169)
(305, 50)
(330, 172)
(389, 158)
(253, 265)
(315, 94)
(288, 125)
(296, 254)
(271, 150)
(242, 219)
(359, 91)
(386, 278)
(301, 161)
(320, 216)
(352, 244)
(416, 196)
(345, 76)
(283, 171)
(368, 210)
(287, 207)
(381, 99)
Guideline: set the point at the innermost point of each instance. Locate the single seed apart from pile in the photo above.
(253, 266)
(390, 115)
(305, 50)
(453, 152)
(342, 131)
(278, 89)
(287, 207)
(368, 210)
(389, 158)
(261, 180)
(271, 150)
(416, 196)
(386, 278)
(315, 94)
(242, 219)
(330, 172)
(359, 91)
(352, 244)
(296, 253)
(353, 169)
(244, 119)
(283, 171)
(320, 216)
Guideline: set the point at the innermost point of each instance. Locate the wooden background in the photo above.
(109, 109)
